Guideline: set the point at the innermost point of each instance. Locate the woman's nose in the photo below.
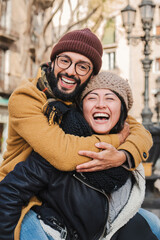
(101, 103)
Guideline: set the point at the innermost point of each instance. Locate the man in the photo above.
(74, 60)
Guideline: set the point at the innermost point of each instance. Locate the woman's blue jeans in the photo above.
(153, 221)
(31, 228)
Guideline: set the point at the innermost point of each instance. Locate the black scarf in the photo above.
(73, 122)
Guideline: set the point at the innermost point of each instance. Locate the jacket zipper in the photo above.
(98, 190)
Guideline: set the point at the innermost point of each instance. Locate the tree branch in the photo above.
(51, 17)
(84, 19)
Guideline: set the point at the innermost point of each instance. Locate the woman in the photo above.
(78, 206)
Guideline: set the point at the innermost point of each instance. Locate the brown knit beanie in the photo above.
(112, 82)
(83, 42)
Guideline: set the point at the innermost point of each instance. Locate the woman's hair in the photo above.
(123, 115)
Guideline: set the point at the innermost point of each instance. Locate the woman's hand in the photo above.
(108, 158)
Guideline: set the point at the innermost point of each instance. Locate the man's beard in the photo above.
(62, 95)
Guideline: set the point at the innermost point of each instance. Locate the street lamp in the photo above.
(147, 8)
(147, 12)
(128, 16)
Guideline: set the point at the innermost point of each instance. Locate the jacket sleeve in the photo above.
(28, 123)
(138, 143)
(16, 189)
(60, 149)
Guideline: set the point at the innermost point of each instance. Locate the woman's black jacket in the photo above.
(75, 204)
(81, 209)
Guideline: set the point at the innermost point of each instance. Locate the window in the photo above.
(3, 13)
(109, 60)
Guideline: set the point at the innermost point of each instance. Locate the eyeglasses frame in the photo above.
(71, 62)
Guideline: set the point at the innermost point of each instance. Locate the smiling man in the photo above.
(70, 77)
(81, 67)
(74, 60)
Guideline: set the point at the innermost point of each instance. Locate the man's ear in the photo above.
(52, 65)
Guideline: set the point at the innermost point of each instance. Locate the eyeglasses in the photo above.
(81, 68)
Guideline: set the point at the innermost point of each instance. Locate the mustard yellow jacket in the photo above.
(29, 130)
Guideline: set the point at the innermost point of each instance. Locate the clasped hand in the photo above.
(108, 157)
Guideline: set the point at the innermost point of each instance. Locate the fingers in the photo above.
(87, 165)
(94, 165)
(101, 160)
(93, 169)
(103, 145)
(95, 155)
(90, 154)
(100, 145)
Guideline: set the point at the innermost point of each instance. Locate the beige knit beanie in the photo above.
(112, 82)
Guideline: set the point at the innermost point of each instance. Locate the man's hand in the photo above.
(124, 133)
(108, 158)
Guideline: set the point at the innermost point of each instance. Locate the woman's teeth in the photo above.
(101, 116)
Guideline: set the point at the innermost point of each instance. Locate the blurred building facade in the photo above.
(126, 59)
(8, 37)
(13, 22)
(118, 56)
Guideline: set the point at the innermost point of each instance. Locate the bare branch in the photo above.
(51, 17)
(60, 25)
(70, 6)
(97, 23)
(74, 12)
(84, 19)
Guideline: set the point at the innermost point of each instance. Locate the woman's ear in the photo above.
(92, 75)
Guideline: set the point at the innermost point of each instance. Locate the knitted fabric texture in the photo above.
(83, 42)
(74, 123)
(43, 83)
(112, 82)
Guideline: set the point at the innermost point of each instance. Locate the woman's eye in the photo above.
(110, 99)
(91, 98)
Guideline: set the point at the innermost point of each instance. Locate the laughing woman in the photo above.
(75, 205)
